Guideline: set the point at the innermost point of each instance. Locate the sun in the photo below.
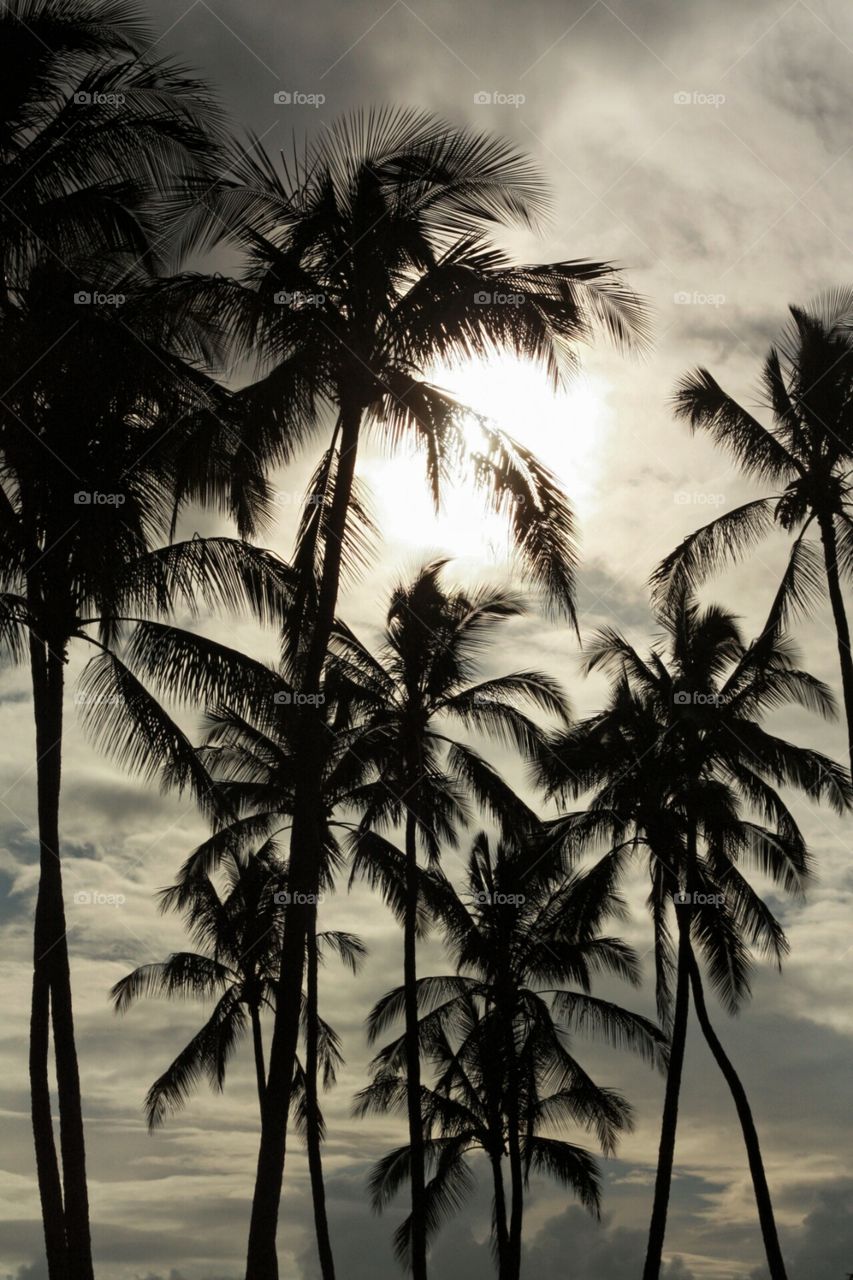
(568, 431)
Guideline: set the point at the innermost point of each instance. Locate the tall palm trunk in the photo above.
(413, 1055)
(500, 1221)
(303, 879)
(313, 1133)
(516, 1167)
(47, 928)
(51, 965)
(775, 1262)
(669, 1122)
(839, 615)
(258, 1050)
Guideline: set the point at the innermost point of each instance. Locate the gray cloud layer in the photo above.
(724, 211)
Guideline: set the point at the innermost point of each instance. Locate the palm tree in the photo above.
(239, 932)
(368, 259)
(527, 940)
(423, 684)
(674, 764)
(93, 134)
(249, 759)
(91, 475)
(806, 454)
(89, 134)
(241, 936)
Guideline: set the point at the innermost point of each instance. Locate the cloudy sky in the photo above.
(705, 147)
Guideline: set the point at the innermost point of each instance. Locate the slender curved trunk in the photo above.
(413, 1055)
(258, 1049)
(669, 1122)
(516, 1167)
(839, 615)
(51, 966)
(47, 1164)
(501, 1228)
(303, 880)
(775, 1261)
(46, 928)
(314, 1133)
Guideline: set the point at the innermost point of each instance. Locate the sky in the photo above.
(705, 149)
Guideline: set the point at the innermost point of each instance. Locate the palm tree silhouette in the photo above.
(89, 131)
(423, 685)
(807, 384)
(241, 936)
(239, 932)
(370, 260)
(672, 763)
(526, 936)
(79, 561)
(250, 756)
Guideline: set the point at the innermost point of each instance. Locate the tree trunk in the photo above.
(839, 614)
(47, 1164)
(303, 881)
(516, 1168)
(51, 965)
(258, 1048)
(413, 1055)
(313, 1133)
(775, 1262)
(500, 1223)
(669, 1122)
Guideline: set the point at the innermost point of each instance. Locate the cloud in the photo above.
(598, 1250)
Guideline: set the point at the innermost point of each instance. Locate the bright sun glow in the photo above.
(567, 431)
